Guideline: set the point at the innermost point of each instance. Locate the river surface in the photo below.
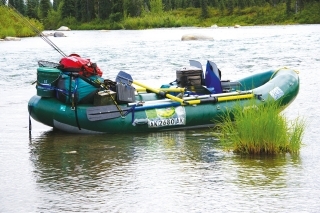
(183, 171)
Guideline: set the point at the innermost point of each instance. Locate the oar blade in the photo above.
(124, 77)
(99, 117)
(98, 113)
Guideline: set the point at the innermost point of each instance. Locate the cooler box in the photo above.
(103, 98)
(125, 93)
(47, 79)
(189, 76)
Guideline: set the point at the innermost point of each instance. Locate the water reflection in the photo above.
(61, 156)
(264, 171)
(111, 167)
(145, 171)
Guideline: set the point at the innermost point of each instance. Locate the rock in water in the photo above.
(58, 34)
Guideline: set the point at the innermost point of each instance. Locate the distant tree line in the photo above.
(116, 10)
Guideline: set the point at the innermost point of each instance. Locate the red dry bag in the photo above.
(74, 63)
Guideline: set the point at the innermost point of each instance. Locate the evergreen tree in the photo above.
(156, 6)
(133, 7)
(55, 4)
(288, 6)
(44, 8)
(17, 4)
(204, 9)
(117, 10)
(68, 8)
(78, 10)
(20, 6)
(104, 9)
(230, 6)
(32, 9)
(90, 10)
(167, 4)
(84, 10)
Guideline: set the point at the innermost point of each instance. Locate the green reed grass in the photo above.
(261, 130)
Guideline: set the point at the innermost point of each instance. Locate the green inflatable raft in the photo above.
(196, 99)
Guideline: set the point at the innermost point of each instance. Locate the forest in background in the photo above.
(143, 14)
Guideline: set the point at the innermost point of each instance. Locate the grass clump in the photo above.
(261, 130)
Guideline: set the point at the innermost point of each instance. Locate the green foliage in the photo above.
(150, 21)
(12, 25)
(71, 22)
(52, 20)
(44, 8)
(261, 130)
(310, 15)
(140, 14)
(132, 8)
(156, 6)
(32, 8)
(68, 9)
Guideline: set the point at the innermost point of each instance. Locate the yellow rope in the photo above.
(283, 68)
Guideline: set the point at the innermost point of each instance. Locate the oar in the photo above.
(126, 78)
(220, 99)
(163, 89)
(196, 97)
(198, 101)
(98, 113)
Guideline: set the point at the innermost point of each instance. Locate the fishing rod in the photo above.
(18, 15)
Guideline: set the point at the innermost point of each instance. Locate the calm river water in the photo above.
(184, 171)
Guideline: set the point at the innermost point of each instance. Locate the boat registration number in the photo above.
(170, 116)
(166, 122)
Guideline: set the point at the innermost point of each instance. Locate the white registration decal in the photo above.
(276, 93)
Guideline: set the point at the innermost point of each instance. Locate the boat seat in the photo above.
(213, 78)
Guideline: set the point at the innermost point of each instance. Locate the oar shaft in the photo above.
(220, 99)
(235, 97)
(163, 89)
(159, 92)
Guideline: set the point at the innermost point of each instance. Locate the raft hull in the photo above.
(283, 87)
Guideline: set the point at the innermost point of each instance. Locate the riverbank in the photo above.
(12, 25)
(191, 17)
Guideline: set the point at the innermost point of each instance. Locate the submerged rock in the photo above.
(59, 34)
(190, 37)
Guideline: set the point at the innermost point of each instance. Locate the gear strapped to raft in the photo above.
(78, 81)
(75, 64)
